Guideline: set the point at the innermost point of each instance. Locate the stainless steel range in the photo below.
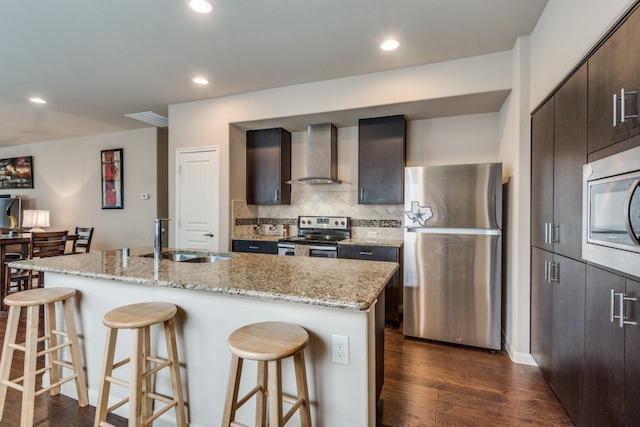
(317, 235)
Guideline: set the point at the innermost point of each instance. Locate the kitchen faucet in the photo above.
(157, 238)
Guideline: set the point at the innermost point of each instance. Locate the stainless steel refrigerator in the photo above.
(452, 253)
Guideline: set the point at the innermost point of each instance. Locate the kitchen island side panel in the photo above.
(339, 394)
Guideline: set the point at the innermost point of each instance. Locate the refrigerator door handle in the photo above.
(445, 230)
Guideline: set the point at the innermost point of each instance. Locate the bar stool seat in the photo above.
(139, 318)
(32, 300)
(268, 343)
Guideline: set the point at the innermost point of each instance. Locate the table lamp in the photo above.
(36, 219)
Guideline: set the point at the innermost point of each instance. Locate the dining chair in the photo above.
(42, 245)
(83, 240)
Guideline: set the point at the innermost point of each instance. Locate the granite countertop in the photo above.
(335, 283)
(373, 242)
(262, 237)
(365, 242)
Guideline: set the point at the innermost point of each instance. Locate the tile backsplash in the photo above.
(385, 220)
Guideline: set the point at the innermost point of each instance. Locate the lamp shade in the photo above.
(35, 219)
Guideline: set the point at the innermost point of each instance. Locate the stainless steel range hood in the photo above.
(322, 155)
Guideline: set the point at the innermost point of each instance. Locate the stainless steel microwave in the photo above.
(611, 212)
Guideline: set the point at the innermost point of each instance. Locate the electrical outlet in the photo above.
(340, 349)
(372, 234)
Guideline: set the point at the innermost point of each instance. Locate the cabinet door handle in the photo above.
(366, 253)
(612, 306)
(254, 247)
(551, 233)
(361, 194)
(554, 272)
(208, 235)
(623, 106)
(554, 233)
(547, 271)
(547, 233)
(276, 195)
(622, 298)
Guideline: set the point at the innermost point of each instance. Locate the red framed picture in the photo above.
(16, 172)
(112, 184)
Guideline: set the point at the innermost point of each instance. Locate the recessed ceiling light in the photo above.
(389, 45)
(201, 6)
(37, 100)
(200, 81)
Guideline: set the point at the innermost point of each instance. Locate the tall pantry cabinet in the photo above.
(585, 320)
(558, 151)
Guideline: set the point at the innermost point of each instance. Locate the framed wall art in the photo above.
(16, 172)
(112, 183)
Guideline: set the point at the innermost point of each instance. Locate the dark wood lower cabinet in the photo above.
(557, 325)
(632, 357)
(567, 341)
(603, 352)
(541, 311)
(393, 291)
(255, 246)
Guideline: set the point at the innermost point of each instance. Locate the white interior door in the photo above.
(198, 199)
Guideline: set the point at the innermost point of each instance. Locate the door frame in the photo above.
(179, 152)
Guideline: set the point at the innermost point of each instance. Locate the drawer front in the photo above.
(372, 253)
(255, 246)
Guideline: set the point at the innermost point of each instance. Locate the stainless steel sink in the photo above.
(179, 256)
(190, 257)
(208, 258)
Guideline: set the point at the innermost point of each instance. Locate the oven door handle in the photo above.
(627, 212)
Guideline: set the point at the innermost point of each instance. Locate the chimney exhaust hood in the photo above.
(322, 155)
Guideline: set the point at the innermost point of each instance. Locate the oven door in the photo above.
(323, 251)
(286, 249)
(613, 212)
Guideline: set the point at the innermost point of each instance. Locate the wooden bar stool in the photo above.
(32, 300)
(268, 343)
(139, 318)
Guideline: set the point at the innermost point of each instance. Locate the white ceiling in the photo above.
(97, 60)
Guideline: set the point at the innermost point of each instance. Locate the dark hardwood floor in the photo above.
(426, 384)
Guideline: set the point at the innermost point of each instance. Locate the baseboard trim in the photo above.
(517, 356)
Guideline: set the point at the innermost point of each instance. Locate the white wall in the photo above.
(208, 122)
(453, 140)
(566, 31)
(67, 178)
(515, 156)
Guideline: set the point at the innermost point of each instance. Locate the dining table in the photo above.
(6, 240)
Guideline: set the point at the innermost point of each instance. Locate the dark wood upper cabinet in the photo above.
(542, 130)
(558, 151)
(268, 167)
(381, 160)
(569, 154)
(613, 68)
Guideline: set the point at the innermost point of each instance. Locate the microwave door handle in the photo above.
(627, 212)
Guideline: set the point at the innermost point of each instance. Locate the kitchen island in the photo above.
(325, 296)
